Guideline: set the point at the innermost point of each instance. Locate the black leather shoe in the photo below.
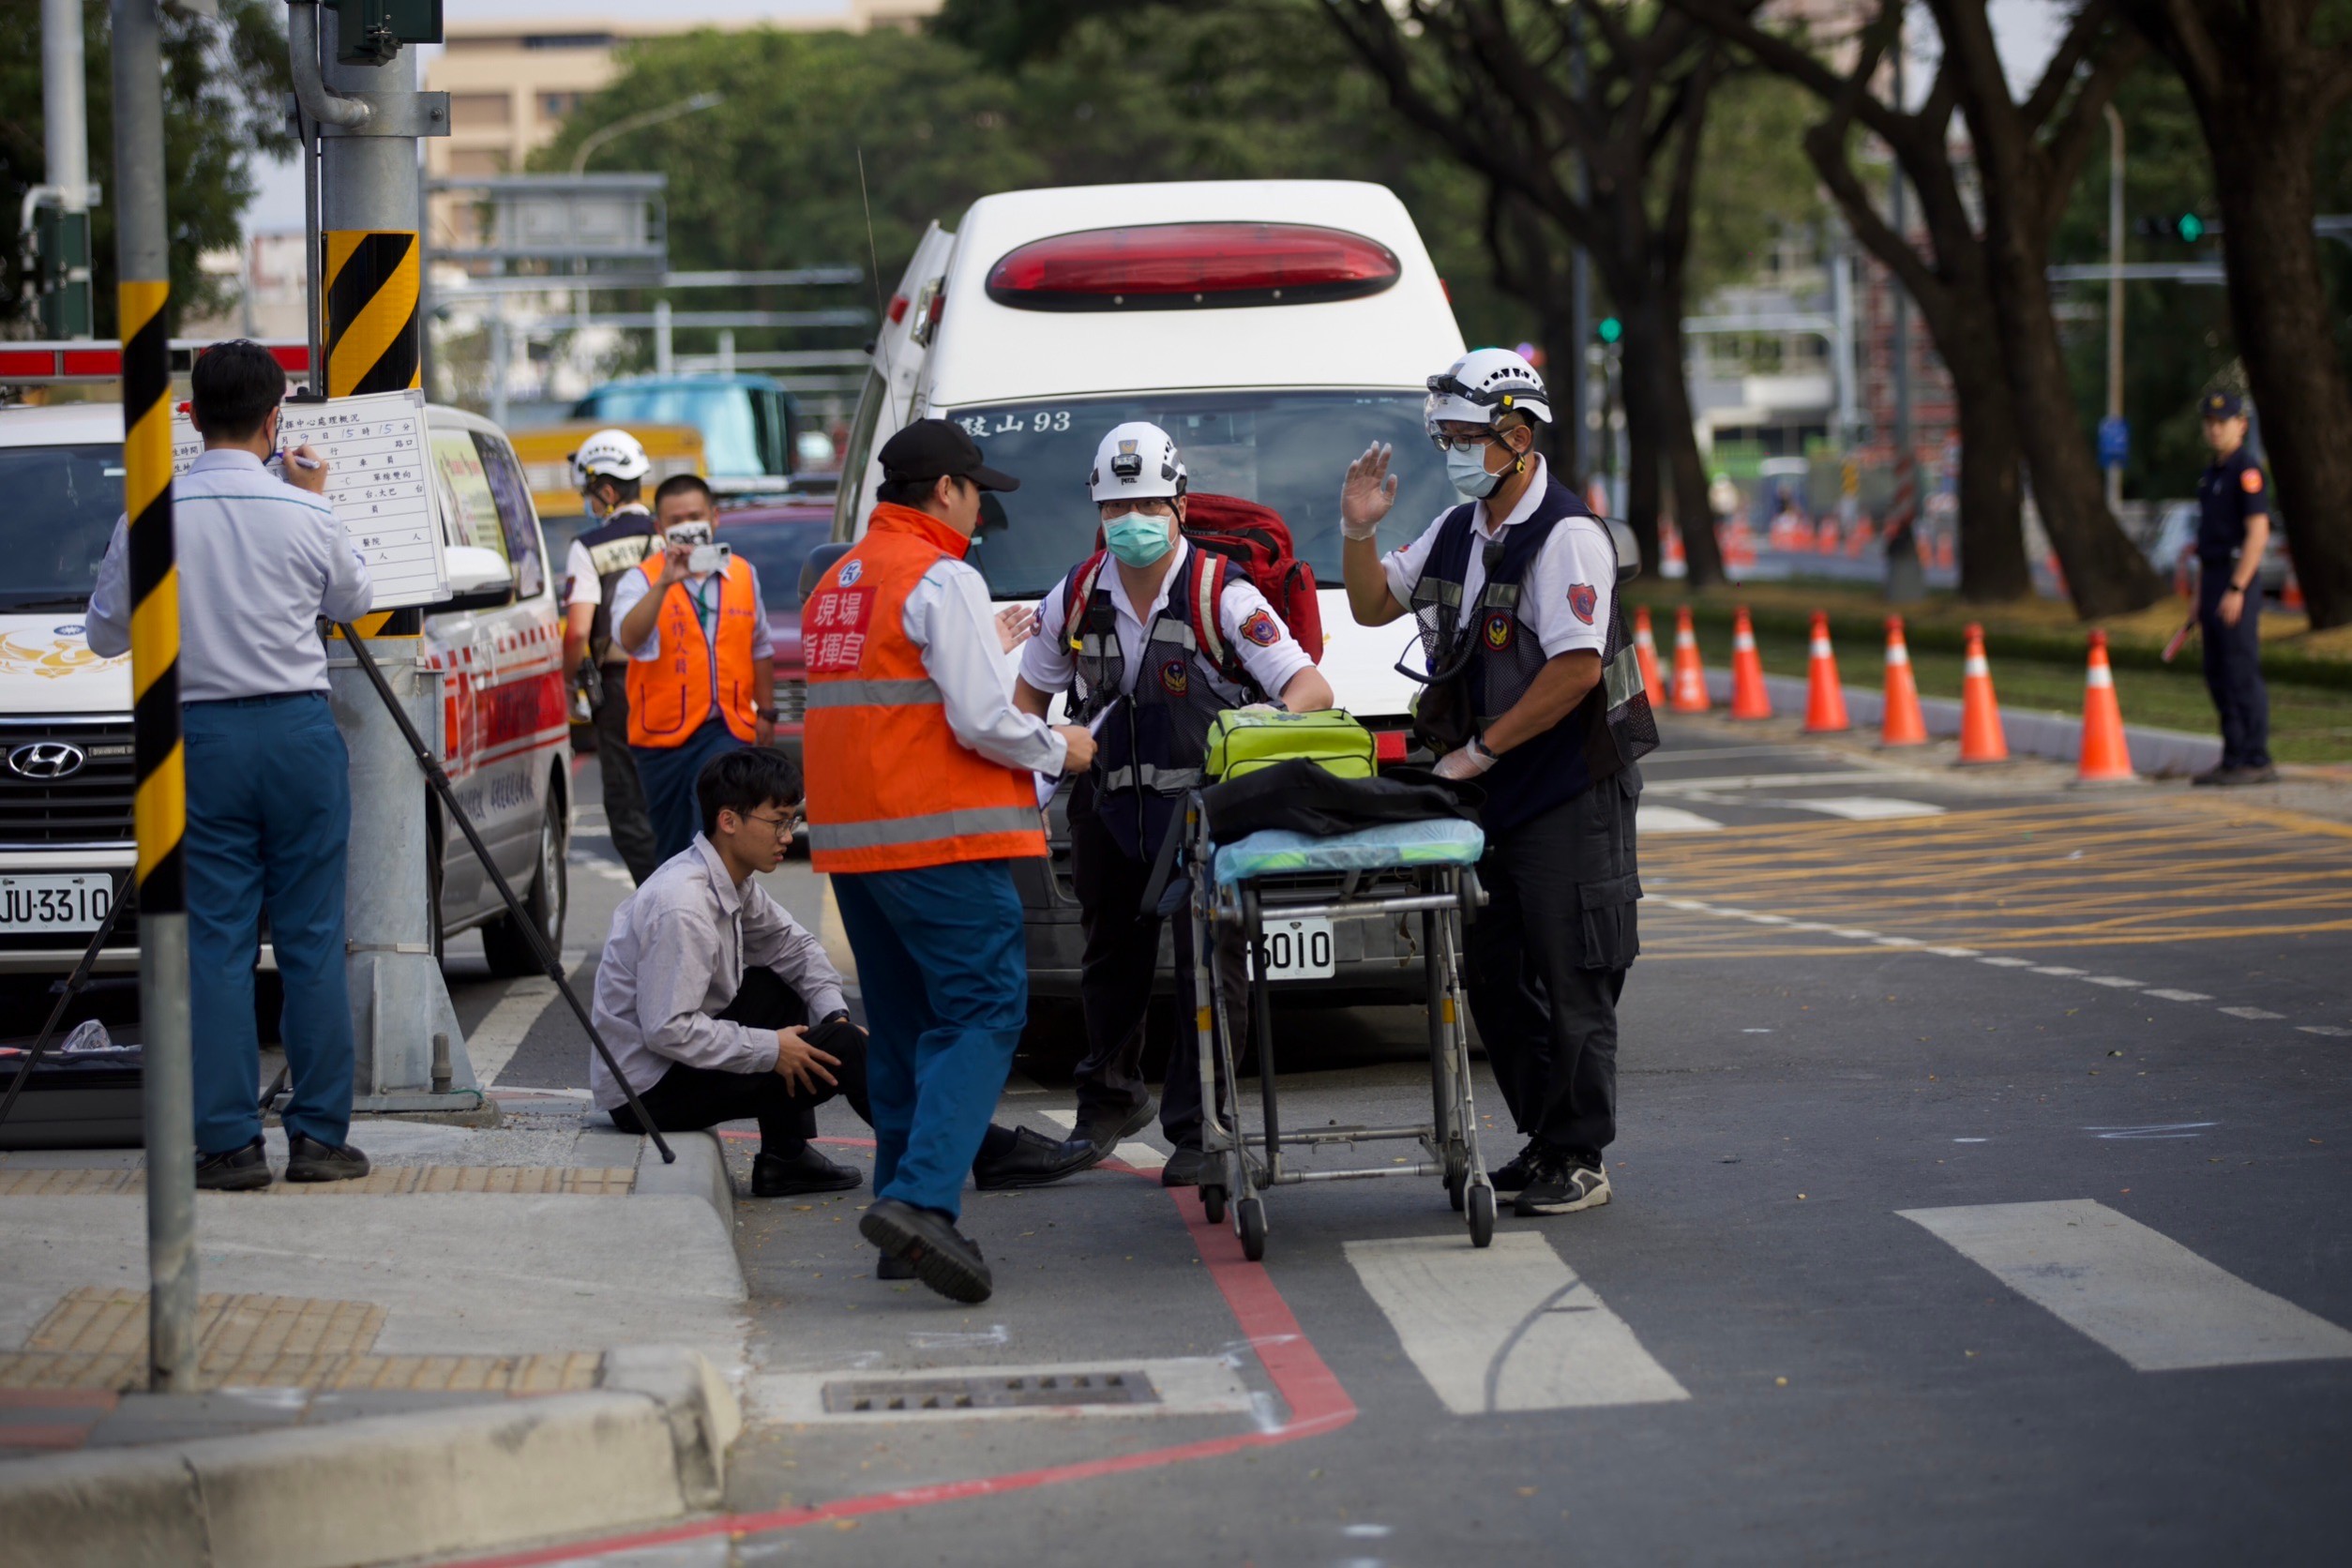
(887, 1267)
(1034, 1161)
(789, 1175)
(243, 1170)
(1183, 1169)
(1104, 1133)
(309, 1160)
(944, 1257)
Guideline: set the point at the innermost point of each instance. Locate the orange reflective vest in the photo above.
(889, 787)
(670, 695)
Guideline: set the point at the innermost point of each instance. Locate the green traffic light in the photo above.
(1611, 329)
(2190, 227)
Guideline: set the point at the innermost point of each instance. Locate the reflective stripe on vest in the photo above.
(872, 694)
(669, 695)
(917, 830)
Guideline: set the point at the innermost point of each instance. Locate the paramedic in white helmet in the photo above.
(610, 468)
(1151, 637)
(1535, 692)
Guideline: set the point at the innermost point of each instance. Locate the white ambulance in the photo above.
(1275, 328)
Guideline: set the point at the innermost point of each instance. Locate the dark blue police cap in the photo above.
(2222, 405)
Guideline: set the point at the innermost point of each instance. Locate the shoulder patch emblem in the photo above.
(1584, 600)
(1499, 629)
(1260, 628)
(1173, 679)
(851, 570)
(2249, 481)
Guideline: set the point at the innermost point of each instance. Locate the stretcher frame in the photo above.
(1236, 1168)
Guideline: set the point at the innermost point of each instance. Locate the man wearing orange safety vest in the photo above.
(702, 669)
(921, 796)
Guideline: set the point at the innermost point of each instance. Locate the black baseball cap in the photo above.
(936, 449)
(2222, 405)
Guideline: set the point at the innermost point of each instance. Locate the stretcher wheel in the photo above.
(1212, 1202)
(1482, 1215)
(1249, 1218)
(1456, 1182)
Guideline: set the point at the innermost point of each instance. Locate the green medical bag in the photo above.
(1242, 740)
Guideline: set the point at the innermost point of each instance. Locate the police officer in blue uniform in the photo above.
(2233, 530)
(1535, 691)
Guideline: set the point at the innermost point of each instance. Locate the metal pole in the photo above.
(142, 292)
(498, 353)
(1579, 286)
(2115, 293)
(65, 118)
(664, 350)
(1842, 306)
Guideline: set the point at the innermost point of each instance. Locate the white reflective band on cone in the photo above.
(1820, 647)
(2101, 676)
(1743, 643)
(1974, 665)
(1898, 654)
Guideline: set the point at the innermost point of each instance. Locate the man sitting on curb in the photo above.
(707, 988)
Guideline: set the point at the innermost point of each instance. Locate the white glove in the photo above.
(1367, 493)
(1464, 762)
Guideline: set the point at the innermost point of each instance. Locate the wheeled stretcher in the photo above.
(1273, 876)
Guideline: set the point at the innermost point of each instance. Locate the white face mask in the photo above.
(688, 534)
(1465, 468)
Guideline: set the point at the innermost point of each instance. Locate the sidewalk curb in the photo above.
(2155, 753)
(650, 1445)
(700, 1171)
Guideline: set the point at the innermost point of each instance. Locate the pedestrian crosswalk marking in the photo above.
(2136, 1290)
(492, 1043)
(1672, 819)
(1864, 808)
(1508, 1327)
(1133, 1152)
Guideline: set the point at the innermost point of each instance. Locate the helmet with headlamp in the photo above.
(1480, 388)
(1137, 462)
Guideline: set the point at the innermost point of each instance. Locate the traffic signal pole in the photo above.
(65, 231)
(159, 810)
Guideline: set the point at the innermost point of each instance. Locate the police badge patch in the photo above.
(1584, 600)
(1499, 630)
(1260, 628)
(1172, 677)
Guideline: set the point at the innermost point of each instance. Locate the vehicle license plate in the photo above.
(67, 903)
(1299, 950)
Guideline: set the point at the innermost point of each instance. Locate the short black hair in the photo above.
(232, 388)
(622, 489)
(678, 484)
(907, 492)
(744, 780)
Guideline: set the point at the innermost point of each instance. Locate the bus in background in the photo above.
(751, 427)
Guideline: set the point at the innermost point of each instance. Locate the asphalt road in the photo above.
(1978, 1195)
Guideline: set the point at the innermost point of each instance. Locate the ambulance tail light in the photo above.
(1191, 266)
(897, 308)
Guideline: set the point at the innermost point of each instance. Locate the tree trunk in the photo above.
(1654, 364)
(1642, 465)
(1993, 564)
(2278, 301)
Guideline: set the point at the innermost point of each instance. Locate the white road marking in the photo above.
(1672, 819)
(1783, 781)
(2250, 1012)
(2057, 969)
(2178, 996)
(2327, 1029)
(1865, 808)
(1955, 952)
(2114, 981)
(1509, 1328)
(494, 1041)
(1142, 1157)
(2136, 1290)
(2008, 963)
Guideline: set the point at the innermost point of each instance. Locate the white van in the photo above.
(1275, 328)
(64, 711)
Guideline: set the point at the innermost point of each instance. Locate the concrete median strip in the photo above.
(648, 1445)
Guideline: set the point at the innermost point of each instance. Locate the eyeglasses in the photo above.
(1460, 442)
(784, 825)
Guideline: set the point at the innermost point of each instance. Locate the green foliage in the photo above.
(224, 82)
(1754, 181)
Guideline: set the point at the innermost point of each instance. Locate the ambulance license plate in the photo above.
(1299, 950)
(52, 903)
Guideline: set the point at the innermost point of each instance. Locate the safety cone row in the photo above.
(1902, 723)
(1749, 700)
(1982, 737)
(1689, 678)
(2106, 756)
(1646, 653)
(1825, 695)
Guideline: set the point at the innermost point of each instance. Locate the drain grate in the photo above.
(988, 1392)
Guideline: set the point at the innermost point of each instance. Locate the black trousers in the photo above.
(688, 1099)
(1546, 961)
(625, 813)
(2233, 668)
(1121, 960)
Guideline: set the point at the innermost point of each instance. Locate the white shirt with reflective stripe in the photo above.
(1268, 651)
(949, 617)
(1576, 556)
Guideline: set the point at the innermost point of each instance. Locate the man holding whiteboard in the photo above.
(260, 560)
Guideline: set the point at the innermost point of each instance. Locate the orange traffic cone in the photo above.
(2106, 756)
(1690, 679)
(1982, 739)
(1825, 697)
(1902, 724)
(1645, 652)
(1749, 700)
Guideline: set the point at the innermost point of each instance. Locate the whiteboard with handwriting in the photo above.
(377, 480)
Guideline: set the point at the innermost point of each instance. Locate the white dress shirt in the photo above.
(1267, 650)
(1577, 554)
(948, 615)
(676, 954)
(260, 562)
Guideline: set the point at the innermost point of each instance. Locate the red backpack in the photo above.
(1257, 540)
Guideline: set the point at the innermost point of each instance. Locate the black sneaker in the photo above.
(245, 1169)
(2233, 778)
(1513, 1179)
(1035, 1160)
(942, 1256)
(309, 1160)
(2211, 777)
(887, 1267)
(791, 1175)
(1104, 1132)
(1561, 1185)
(1183, 1169)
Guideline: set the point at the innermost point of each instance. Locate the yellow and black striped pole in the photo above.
(373, 282)
(160, 810)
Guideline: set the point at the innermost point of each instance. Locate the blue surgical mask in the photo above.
(1137, 538)
(1465, 466)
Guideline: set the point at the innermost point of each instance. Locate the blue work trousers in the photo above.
(945, 972)
(668, 773)
(2233, 668)
(269, 825)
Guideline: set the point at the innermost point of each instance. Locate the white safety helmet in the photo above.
(1137, 462)
(1482, 387)
(612, 453)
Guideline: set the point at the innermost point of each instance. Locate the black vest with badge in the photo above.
(1155, 749)
(616, 547)
(1482, 662)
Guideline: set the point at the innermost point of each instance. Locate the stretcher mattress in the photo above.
(1441, 842)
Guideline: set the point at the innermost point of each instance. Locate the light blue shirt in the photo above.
(260, 562)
